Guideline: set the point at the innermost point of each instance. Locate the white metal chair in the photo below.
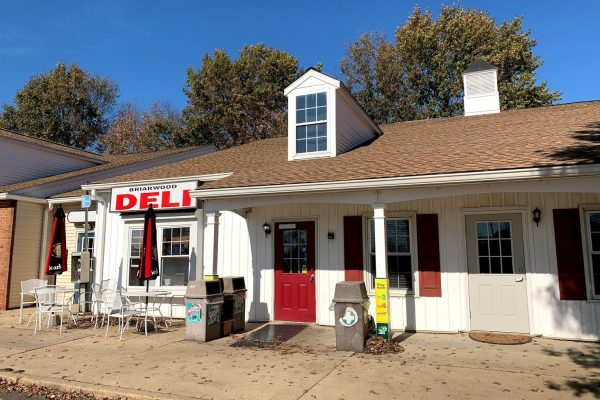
(52, 301)
(28, 295)
(117, 307)
(96, 303)
(109, 284)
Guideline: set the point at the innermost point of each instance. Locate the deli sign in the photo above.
(162, 196)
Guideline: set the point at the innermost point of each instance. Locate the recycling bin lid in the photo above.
(233, 284)
(350, 292)
(202, 289)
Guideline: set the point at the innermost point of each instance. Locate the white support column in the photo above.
(211, 242)
(380, 241)
(199, 265)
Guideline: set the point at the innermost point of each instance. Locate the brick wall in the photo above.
(7, 219)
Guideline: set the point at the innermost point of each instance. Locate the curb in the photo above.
(98, 390)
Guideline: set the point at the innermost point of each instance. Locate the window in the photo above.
(399, 252)
(594, 246)
(90, 241)
(311, 131)
(494, 247)
(295, 251)
(175, 258)
(135, 247)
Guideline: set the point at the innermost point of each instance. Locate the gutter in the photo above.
(525, 174)
(65, 200)
(8, 196)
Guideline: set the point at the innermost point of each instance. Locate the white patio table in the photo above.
(147, 301)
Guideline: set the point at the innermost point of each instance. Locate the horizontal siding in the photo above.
(24, 162)
(26, 248)
(351, 129)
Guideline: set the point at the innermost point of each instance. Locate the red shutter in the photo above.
(569, 254)
(353, 248)
(428, 243)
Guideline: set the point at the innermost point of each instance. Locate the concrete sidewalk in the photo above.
(164, 365)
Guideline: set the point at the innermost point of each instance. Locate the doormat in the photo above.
(499, 338)
(270, 336)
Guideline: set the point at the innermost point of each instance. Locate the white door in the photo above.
(496, 265)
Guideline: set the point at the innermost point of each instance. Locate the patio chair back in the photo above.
(109, 284)
(111, 301)
(29, 286)
(50, 296)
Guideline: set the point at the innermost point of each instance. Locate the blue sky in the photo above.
(146, 46)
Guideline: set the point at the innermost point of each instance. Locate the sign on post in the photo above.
(86, 201)
(382, 307)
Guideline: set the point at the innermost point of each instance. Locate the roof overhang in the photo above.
(27, 199)
(509, 175)
(201, 178)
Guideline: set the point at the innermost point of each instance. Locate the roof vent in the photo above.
(480, 81)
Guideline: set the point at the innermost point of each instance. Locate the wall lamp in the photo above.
(537, 216)
(267, 228)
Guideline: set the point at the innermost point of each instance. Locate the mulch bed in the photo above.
(41, 392)
(499, 338)
(378, 345)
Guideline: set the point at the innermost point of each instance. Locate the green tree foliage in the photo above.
(231, 102)
(68, 105)
(135, 130)
(419, 74)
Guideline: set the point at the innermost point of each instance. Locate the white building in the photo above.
(489, 221)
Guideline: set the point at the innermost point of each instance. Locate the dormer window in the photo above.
(311, 123)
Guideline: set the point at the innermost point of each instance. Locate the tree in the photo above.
(231, 102)
(419, 74)
(68, 105)
(135, 130)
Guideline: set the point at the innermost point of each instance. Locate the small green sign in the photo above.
(383, 330)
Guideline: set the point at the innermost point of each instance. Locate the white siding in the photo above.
(26, 248)
(245, 250)
(20, 162)
(252, 256)
(352, 125)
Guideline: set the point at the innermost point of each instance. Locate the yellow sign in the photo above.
(382, 305)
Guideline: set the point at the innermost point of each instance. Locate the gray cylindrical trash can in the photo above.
(234, 290)
(203, 304)
(351, 307)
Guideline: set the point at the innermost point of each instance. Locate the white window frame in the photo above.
(412, 226)
(170, 222)
(159, 241)
(587, 247)
(330, 121)
(512, 247)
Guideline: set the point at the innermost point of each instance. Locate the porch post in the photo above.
(211, 242)
(198, 267)
(380, 248)
(382, 304)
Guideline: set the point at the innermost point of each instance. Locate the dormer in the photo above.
(324, 119)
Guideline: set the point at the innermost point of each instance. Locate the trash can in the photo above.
(234, 292)
(351, 307)
(203, 304)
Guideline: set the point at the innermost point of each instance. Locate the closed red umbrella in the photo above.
(148, 269)
(56, 263)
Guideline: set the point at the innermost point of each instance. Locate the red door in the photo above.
(295, 272)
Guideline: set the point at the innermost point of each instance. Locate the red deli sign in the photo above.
(162, 196)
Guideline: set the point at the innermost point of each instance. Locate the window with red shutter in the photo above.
(353, 248)
(569, 254)
(430, 284)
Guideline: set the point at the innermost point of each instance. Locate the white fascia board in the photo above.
(66, 200)
(312, 73)
(202, 178)
(8, 196)
(523, 174)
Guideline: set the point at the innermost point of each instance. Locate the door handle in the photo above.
(518, 279)
(312, 277)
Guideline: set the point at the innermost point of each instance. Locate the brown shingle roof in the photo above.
(555, 135)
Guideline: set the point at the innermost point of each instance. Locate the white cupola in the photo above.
(324, 119)
(480, 81)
